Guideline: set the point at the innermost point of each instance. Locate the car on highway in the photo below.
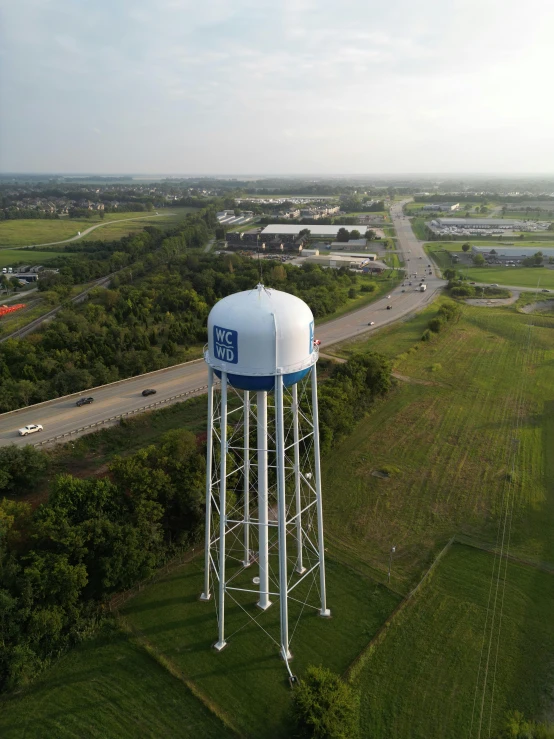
(494, 285)
(32, 428)
(403, 291)
(84, 401)
(148, 391)
(371, 323)
(388, 297)
(545, 290)
(472, 283)
(389, 307)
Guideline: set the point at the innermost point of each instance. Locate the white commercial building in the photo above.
(275, 229)
(336, 261)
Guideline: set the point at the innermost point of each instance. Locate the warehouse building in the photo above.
(503, 223)
(336, 261)
(318, 232)
(512, 253)
(444, 207)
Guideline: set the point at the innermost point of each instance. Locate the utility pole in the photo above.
(392, 551)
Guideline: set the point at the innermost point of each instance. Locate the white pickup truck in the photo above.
(422, 288)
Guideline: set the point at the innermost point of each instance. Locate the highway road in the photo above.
(61, 416)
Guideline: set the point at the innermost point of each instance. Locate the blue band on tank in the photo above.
(267, 382)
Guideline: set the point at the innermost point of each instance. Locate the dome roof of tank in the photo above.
(260, 332)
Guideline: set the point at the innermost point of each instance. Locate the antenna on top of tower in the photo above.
(259, 259)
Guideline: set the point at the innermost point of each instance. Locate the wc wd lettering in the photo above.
(226, 345)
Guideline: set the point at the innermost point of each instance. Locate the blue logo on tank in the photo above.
(226, 345)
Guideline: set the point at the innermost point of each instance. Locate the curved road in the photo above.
(92, 228)
(61, 416)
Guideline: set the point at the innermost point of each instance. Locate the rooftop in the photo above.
(315, 230)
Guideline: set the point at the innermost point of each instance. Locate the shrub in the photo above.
(324, 707)
(436, 324)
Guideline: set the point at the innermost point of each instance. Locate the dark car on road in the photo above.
(148, 391)
(389, 307)
(84, 401)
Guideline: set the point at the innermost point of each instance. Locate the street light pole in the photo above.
(392, 551)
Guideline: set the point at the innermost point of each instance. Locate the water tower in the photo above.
(264, 521)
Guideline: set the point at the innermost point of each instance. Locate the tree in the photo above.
(15, 285)
(516, 726)
(369, 234)
(305, 232)
(21, 468)
(551, 227)
(324, 707)
(355, 234)
(478, 260)
(449, 273)
(343, 234)
(466, 247)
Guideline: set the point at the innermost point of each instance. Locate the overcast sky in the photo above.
(283, 87)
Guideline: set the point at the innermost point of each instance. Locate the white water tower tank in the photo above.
(257, 334)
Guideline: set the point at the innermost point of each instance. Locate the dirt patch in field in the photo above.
(492, 302)
(544, 306)
(413, 380)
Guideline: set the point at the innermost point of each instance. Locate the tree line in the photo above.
(93, 537)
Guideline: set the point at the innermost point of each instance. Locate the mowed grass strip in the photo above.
(448, 444)
(108, 688)
(12, 257)
(248, 680)
(27, 232)
(167, 218)
(425, 677)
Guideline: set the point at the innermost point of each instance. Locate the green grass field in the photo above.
(108, 688)
(12, 257)
(448, 433)
(440, 254)
(420, 682)
(247, 679)
(523, 276)
(418, 227)
(391, 341)
(28, 232)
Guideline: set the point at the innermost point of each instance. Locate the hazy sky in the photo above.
(286, 86)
